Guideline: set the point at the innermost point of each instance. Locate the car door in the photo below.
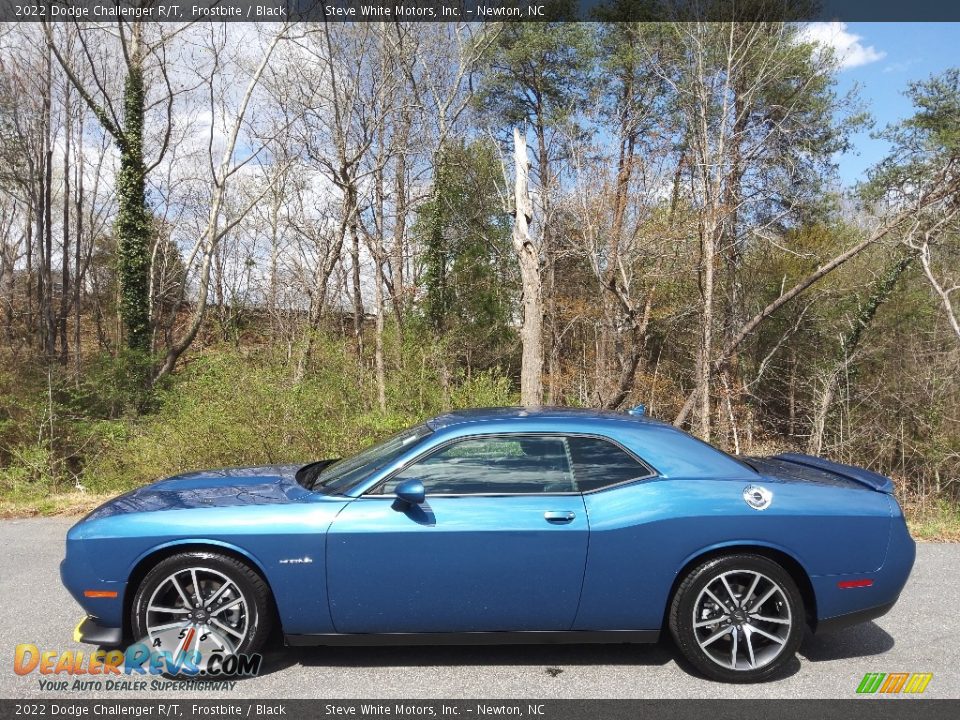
(499, 544)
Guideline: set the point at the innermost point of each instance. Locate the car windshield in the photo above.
(338, 477)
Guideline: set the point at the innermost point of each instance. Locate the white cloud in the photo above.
(846, 46)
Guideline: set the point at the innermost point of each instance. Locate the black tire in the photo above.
(258, 609)
(732, 568)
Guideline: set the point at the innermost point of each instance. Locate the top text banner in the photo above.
(475, 10)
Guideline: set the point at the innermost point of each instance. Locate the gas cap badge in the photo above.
(757, 497)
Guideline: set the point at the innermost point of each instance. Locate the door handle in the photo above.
(559, 516)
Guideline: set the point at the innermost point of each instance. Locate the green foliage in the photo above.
(539, 72)
(133, 225)
(937, 120)
(924, 145)
(486, 389)
(111, 387)
(468, 270)
(201, 420)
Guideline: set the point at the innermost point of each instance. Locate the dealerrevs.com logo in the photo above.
(894, 683)
(133, 668)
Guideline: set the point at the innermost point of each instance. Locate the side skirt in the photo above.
(527, 637)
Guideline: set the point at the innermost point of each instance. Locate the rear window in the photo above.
(599, 463)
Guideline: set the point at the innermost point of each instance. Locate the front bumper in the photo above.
(90, 630)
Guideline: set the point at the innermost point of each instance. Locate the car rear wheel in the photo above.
(195, 606)
(737, 618)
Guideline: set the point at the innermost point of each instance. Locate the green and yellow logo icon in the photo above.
(893, 683)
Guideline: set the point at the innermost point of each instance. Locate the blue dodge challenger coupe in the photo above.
(500, 526)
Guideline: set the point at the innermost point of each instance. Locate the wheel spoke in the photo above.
(168, 626)
(753, 587)
(747, 632)
(223, 641)
(170, 610)
(226, 628)
(717, 600)
(183, 595)
(232, 603)
(716, 636)
(218, 593)
(733, 598)
(196, 588)
(754, 628)
(706, 623)
(757, 605)
(733, 652)
(764, 618)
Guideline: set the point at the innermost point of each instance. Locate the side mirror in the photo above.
(410, 492)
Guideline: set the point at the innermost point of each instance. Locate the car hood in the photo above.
(264, 485)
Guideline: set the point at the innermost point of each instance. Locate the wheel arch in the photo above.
(778, 555)
(158, 554)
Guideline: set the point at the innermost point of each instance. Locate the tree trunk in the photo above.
(31, 214)
(705, 343)
(133, 222)
(547, 275)
(45, 284)
(77, 268)
(610, 391)
(378, 340)
(65, 256)
(357, 295)
(531, 331)
(399, 250)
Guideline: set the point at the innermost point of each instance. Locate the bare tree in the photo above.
(528, 258)
(221, 175)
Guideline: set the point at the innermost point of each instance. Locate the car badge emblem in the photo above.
(757, 497)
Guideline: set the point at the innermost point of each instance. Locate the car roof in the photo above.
(669, 450)
(579, 415)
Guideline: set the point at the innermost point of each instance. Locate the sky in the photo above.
(882, 59)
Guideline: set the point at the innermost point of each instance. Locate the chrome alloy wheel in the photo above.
(197, 609)
(742, 620)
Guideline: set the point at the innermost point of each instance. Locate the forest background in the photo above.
(240, 244)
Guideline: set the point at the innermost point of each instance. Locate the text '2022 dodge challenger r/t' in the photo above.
(499, 526)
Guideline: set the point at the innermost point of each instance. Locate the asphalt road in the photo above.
(921, 634)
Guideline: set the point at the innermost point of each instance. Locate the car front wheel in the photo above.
(196, 606)
(737, 618)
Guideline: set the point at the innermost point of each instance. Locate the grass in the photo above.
(68, 504)
(936, 522)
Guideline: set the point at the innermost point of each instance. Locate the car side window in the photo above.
(493, 465)
(598, 463)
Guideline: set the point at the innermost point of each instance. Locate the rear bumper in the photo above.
(840, 607)
(828, 625)
(90, 630)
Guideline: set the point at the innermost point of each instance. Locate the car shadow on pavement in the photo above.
(856, 641)
(278, 658)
